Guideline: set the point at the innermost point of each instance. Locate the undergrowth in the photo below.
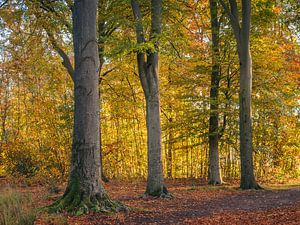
(15, 209)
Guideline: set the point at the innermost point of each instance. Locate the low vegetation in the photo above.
(16, 208)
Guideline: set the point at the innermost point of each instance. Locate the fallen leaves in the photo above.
(193, 203)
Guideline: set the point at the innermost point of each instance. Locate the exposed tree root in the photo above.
(251, 186)
(76, 202)
(160, 193)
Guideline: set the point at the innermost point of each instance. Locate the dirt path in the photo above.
(204, 205)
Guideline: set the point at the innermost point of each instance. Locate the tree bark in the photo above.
(148, 73)
(246, 146)
(155, 182)
(242, 36)
(84, 191)
(214, 172)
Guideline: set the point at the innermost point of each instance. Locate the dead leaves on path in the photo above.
(193, 203)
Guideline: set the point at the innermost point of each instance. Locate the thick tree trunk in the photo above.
(84, 191)
(246, 149)
(214, 172)
(155, 180)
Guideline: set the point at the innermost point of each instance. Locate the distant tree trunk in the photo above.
(170, 152)
(101, 44)
(148, 73)
(214, 172)
(242, 36)
(84, 191)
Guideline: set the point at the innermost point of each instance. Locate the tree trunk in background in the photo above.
(214, 172)
(101, 44)
(84, 191)
(242, 36)
(170, 152)
(148, 73)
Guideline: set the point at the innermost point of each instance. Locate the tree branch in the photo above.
(3, 4)
(66, 60)
(140, 39)
(232, 12)
(107, 72)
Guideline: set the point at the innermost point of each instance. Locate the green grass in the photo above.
(15, 209)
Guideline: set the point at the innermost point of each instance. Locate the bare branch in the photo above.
(175, 49)
(3, 4)
(106, 73)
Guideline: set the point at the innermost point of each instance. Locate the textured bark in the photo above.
(242, 36)
(155, 183)
(84, 191)
(246, 149)
(148, 73)
(214, 172)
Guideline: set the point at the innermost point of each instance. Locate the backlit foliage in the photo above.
(36, 97)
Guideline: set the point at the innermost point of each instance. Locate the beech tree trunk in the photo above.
(242, 36)
(148, 73)
(214, 172)
(155, 182)
(84, 191)
(246, 149)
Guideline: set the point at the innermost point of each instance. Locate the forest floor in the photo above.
(193, 203)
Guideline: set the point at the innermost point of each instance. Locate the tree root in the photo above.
(252, 186)
(160, 193)
(77, 203)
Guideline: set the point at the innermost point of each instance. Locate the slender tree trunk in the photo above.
(214, 172)
(155, 183)
(246, 149)
(246, 146)
(101, 62)
(242, 36)
(84, 191)
(148, 73)
(170, 153)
